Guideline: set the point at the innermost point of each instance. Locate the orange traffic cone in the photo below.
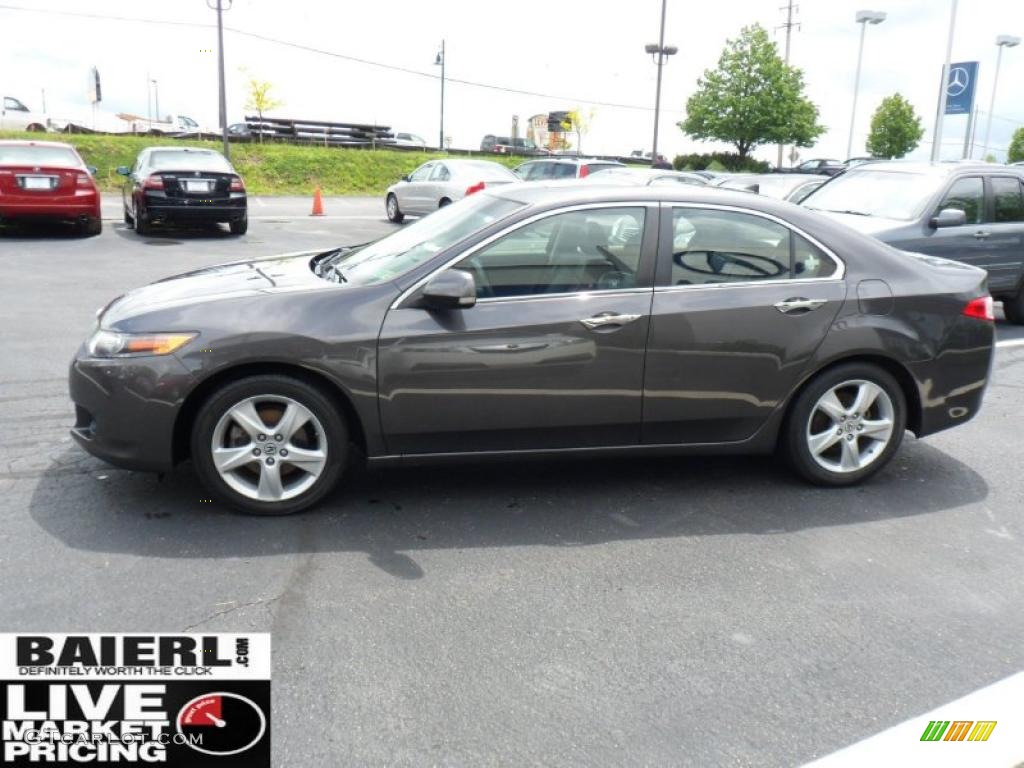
(318, 203)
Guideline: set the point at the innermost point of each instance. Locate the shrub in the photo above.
(723, 161)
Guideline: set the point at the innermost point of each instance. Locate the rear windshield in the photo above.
(178, 160)
(885, 194)
(39, 156)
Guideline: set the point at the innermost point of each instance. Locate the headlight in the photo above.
(113, 344)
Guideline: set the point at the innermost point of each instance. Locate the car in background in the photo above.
(47, 180)
(437, 183)
(15, 116)
(640, 154)
(240, 130)
(562, 168)
(969, 212)
(826, 167)
(793, 187)
(651, 177)
(172, 185)
(540, 320)
(409, 140)
(504, 145)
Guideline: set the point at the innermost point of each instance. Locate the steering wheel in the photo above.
(717, 261)
(615, 279)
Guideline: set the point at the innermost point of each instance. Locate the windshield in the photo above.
(202, 160)
(39, 156)
(396, 254)
(885, 194)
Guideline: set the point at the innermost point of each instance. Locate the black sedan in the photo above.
(544, 321)
(171, 185)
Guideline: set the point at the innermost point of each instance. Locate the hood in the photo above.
(288, 272)
(869, 225)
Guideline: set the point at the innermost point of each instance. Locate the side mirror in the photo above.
(948, 217)
(407, 177)
(91, 169)
(123, 170)
(451, 289)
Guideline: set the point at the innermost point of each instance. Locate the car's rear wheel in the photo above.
(142, 225)
(444, 201)
(1013, 308)
(269, 445)
(239, 227)
(845, 425)
(394, 212)
(127, 217)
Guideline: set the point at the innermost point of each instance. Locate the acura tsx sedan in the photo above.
(540, 320)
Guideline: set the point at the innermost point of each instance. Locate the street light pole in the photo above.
(863, 18)
(439, 60)
(220, 8)
(156, 99)
(943, 90)
(662, 52)
(1003, 41)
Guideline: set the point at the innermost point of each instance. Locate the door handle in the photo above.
(798, 304)
(982, 235)
(608, 318)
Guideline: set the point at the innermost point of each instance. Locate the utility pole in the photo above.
(944, 88)
(220, 8)
(439, 61)
(788, 26)
(663, 52)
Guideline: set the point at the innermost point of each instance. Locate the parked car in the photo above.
(503, 145)
(240, 130)
(562, 168)
(168, 124)
(793, 187)
(15, 116)
(436, 184)
(650, 177)
(45, 180)
(410, 140)
(822, 166)
(971, 212)
(171, 185)
(540, 320)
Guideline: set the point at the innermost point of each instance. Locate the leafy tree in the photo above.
(895, 128)
(752, 98)
(579, 121)
(260, 99)
(1016, 152)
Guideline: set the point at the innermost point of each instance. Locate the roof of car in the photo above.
(30, 143)
(942, 168)
(575, 160)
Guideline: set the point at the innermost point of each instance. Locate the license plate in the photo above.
(37, 182)
(197, 186)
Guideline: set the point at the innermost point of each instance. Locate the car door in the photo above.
(551, 356)
(741, 303)
(971, 242)
(1005, 233)
(411, 194)
(439, 187)
(14, 116)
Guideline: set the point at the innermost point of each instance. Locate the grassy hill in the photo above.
(268, 169)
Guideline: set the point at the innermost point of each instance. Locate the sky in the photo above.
(566, 54)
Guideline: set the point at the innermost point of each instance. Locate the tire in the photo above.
(850, 447)
(127, 217)
(239, 227)
(1013, 308)
(444, 201)
(36, 128)
(142, 225)
(91, 226)
(270, 397)
(394, 212)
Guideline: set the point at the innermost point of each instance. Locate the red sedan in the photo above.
(46, 180)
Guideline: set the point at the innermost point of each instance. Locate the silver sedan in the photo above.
(435, 184)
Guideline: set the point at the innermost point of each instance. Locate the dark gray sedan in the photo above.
(540, 320)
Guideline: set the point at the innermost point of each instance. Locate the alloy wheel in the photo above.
(269, 448)
(850, 426)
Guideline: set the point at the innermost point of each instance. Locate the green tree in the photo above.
(895, 128)
(752, 98)
(260, 99)
(1016, 152)
(579, 121)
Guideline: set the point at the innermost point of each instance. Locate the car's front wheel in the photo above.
(845, 425)
(269, 445)
(394, 212)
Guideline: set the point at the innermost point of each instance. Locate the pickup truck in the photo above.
(170, 124)
(15, 116)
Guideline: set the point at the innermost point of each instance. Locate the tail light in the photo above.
(475, 188)
(980, 309)
(584, 171)
(82, 180)
(153, 182)
(237, 185)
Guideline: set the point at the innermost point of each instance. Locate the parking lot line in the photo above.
(1010, 343)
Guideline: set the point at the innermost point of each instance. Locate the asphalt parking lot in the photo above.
(672, 611)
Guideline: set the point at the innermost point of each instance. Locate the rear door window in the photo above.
(562, 171)
(1007, 198)
(967, 195)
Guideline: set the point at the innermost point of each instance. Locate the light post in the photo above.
(944, 88)
(220, 7)
(1003, 41)
(156, 99)
(659, 52)
(863, 18)
(439, 61)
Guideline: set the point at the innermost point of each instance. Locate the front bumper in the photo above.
(125, 409)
